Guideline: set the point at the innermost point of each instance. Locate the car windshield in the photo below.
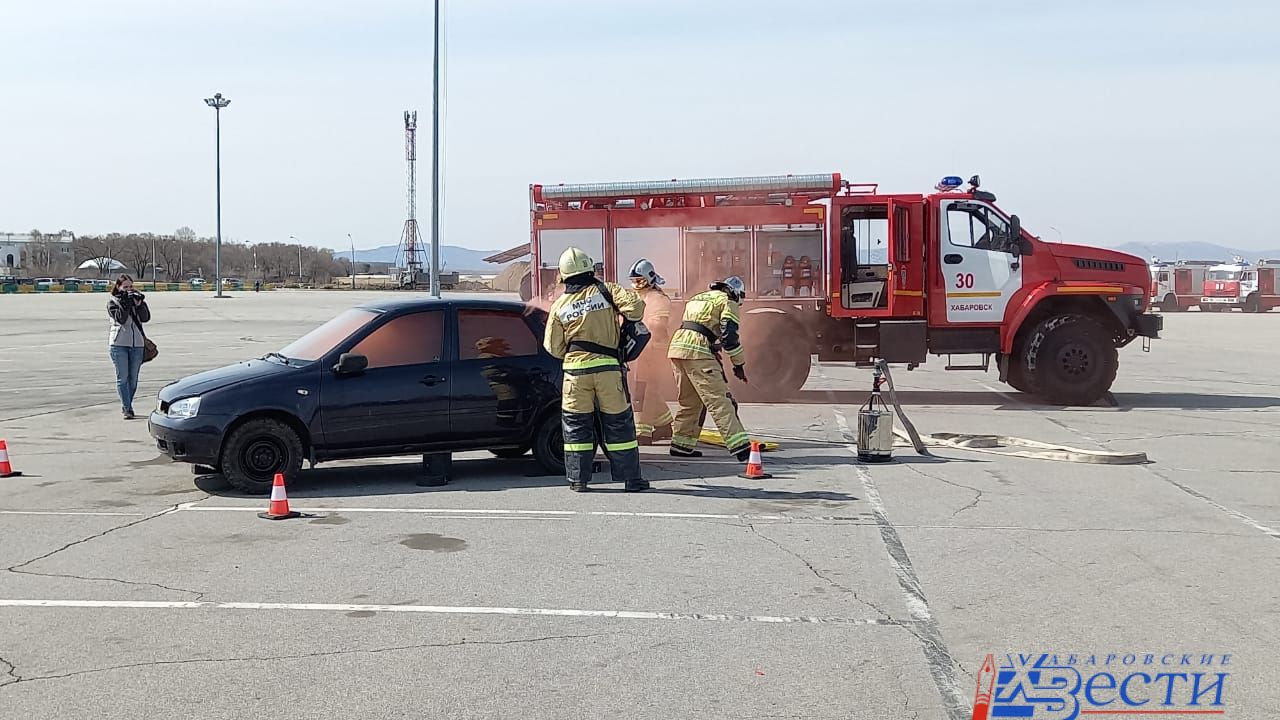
(316, 343)
(1224, 275)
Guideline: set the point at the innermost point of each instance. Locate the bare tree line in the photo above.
(180, 256)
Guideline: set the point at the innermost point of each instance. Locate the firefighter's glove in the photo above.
(740, 372)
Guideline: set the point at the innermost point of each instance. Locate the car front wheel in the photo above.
(548, 444)
(255, 451)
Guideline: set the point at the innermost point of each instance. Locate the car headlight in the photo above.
(184, 408)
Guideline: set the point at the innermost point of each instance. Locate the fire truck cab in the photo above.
(1241, 284)
(847, 273)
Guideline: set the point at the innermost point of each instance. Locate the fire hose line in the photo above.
(989, 443)
(972, 442)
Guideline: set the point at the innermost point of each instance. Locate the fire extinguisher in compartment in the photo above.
(805, 282)
(789, 276)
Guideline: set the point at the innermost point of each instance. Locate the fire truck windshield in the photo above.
(1224, 274)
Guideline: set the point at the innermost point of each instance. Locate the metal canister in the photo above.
(875, 430)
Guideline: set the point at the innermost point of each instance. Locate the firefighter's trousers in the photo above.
(598, 398)
(701, 384)
(653, 388)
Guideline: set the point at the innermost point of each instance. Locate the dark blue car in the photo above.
(387, 378)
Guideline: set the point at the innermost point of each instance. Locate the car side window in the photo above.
(414, 339)
(494, 333)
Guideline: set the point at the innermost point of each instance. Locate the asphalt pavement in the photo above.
(132, 588)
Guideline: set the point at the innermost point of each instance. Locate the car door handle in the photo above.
(953, 259)
(431, 380)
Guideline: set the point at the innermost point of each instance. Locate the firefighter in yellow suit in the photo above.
(583, 331)
(651, 376)
(710, 323)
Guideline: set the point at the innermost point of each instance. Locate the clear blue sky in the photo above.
(1110, 121)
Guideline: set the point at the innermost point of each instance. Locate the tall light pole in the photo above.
(299, 258)
(353, 261)
(435, 159)
(217, 102)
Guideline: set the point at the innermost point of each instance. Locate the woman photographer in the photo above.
(128, 310)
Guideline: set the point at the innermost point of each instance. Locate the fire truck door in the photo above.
(978, 274)
(1182, 282)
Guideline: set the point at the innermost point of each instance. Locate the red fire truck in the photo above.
(1252, 288)
(848, 273)
(1178, 286)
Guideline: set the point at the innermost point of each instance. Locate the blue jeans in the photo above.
(128, 361)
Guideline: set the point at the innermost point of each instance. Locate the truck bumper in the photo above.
(1148, 325)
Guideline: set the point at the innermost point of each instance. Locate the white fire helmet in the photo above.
(732, 285)
(643, 270)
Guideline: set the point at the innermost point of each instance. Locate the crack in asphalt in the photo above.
(12, 671)
(297, 656)
(818, 573)
(977, 494)
(18, 569)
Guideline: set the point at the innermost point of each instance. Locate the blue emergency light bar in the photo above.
(949, 183)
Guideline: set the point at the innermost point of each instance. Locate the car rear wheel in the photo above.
(510, 453)
(548, 444)
(255, 451)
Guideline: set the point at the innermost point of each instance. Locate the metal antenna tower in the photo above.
(411, 241)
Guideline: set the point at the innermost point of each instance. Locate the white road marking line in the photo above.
(1236, 514)
(70, 512)
(999, 392)
(444, 610)
(942, 666)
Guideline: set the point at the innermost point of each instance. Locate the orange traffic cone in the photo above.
(6, 469)
(755, 466)
(279, 507)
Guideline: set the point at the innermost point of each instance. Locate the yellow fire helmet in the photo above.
(574, 262)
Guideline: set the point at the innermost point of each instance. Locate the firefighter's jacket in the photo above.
(657, 317)
(710, 313)
(582, 316)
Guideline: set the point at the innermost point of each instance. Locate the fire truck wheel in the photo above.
(783, 371)
(1251, 304)
(1170, 303)
(1070, 360)
(1017, 378)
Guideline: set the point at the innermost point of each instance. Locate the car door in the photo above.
(500, 376)
(978, 274)
(402, 398)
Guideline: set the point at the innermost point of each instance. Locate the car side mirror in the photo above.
(351, 364)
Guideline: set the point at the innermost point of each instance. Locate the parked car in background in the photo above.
(393, 377)
(197, 282)
(101, 284)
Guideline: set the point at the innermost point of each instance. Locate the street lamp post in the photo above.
(217, 102)
(435, 157)
(353, 261)
(299, 258)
